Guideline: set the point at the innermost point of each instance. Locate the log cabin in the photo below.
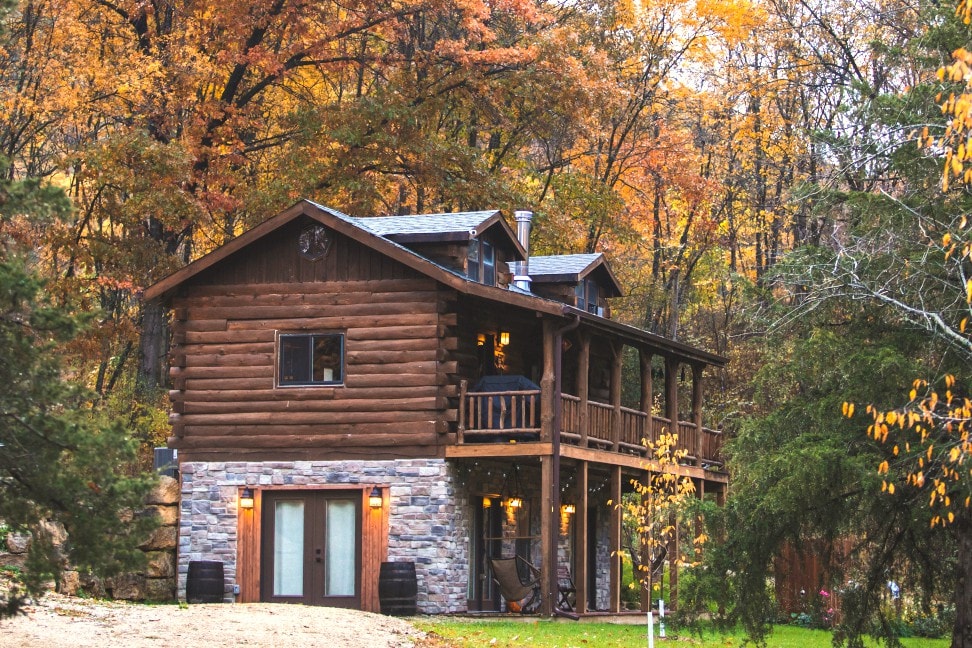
(348, 392)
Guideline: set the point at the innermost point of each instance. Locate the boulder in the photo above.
(69, 583)
(128, 587)
(160, 589)
(161, 539)
(15, 560)
(166, 492)
(167, 515)
(18, 543)
(161, 564)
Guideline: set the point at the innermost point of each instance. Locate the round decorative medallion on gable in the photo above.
(314, 243)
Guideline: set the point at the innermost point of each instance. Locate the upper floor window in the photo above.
(586, 295)
(310, 359)
(481, 262)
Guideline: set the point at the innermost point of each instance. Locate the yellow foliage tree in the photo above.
(655, 513)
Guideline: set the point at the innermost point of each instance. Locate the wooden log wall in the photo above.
(399, 378)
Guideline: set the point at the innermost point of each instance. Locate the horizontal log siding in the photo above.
(398, 376)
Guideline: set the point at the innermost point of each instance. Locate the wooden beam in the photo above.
(583, 385)
(608, 458)
(671, 396)
(248, 550)
(233, 291)
(549, 528)
(614, 600)
(616, 369)
(547, 382)
(580, 539)
(486, 450)
(647, 392)
(697, 411)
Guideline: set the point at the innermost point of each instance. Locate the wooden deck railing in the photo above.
(495, 416)
(515, 415)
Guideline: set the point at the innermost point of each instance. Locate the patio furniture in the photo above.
(507, 576)
(566, 592)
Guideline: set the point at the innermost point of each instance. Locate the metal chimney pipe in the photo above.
(521, 269)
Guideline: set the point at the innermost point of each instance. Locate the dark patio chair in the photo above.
(507, 576)
(566, 592)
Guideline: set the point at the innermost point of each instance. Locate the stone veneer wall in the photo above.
(427, 518)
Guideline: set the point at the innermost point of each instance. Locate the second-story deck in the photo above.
(514, 417)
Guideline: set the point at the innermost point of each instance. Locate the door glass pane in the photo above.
(341, 549)
(288, 549)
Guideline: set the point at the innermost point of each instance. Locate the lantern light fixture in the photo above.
(375, 499)
(504, 337)
(512, 490)
(246, 498)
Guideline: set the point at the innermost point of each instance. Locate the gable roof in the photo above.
(349, 226)
(572, 268)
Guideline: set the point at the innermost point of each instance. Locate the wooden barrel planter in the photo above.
(204, 584)
(397, 587)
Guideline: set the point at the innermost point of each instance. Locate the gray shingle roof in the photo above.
(562, 264)
(424, 223)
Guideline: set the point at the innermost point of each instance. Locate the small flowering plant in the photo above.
(818, 611)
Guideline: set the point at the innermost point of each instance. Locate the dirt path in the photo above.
(67, 622)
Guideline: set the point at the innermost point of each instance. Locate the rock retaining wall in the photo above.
(156, 583)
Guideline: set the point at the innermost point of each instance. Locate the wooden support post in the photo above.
(461, 429)
(697, 411)
(647, 398)
(616, 396)
(549, 532)
(671, 397)
(583, 385)
(248, 550)
(614, 595)
(547, 381)
(580, 544)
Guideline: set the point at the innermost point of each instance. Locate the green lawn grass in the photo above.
(463, 633)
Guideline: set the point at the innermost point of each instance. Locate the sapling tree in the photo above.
(653, 514)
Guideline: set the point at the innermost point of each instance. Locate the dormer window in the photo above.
(481, 262)
(586, 295)
(316, 359)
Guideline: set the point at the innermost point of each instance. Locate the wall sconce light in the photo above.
(569, 509)
(487, 503)
(246, 498)
(375, 499)
(504, 337)
(481, 339)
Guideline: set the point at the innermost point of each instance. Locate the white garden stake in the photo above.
(651, 632)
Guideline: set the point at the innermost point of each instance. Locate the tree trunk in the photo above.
(962, 631)
(152, 348)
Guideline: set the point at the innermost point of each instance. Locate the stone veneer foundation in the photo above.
(427, 518)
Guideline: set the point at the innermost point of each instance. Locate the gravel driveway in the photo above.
(66, 622)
